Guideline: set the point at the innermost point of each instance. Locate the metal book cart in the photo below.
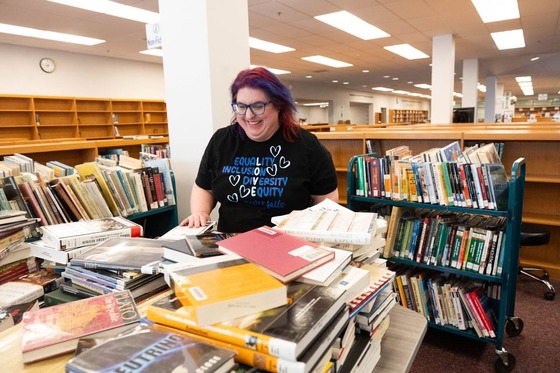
(506, 321)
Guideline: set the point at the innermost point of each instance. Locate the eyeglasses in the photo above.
(256, 108)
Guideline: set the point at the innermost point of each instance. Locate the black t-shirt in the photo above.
(254, 181)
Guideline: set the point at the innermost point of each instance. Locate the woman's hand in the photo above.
(196, 220)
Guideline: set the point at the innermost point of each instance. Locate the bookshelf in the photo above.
(51, 117)
(506, 321)
(71, 152)
(536, 143)
(407, 116)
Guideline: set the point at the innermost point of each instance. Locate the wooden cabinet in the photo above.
(51, 118)
(537, 145)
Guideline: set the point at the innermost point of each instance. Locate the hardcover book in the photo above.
(282, 255)
(83, 233)
(146, 348)
(200, 246)
(309, 361)
(17, 292)
(342, 226)
(56, 330)
(124, 254)
(284, 331)
(221, 291)
(328, 272)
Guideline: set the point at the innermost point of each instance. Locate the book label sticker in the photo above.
(306, 252)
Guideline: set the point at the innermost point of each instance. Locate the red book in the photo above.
(55, 330)
(282, 255)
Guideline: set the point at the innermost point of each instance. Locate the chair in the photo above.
(537, 238)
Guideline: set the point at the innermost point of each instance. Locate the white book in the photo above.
(354, 280)
(17, 292)
(328, 272)
(83, 233)
(330, 226)
(38, 249)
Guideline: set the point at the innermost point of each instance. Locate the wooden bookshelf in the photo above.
(46, 117)
(537, 143)
(407, 116)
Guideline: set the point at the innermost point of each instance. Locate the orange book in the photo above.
(222, 291)
(284, 331)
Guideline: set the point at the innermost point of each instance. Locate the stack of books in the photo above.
(61, 242)
(116, 264)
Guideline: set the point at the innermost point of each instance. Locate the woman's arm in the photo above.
(202, 204)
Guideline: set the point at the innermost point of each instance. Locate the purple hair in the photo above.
(278, 93)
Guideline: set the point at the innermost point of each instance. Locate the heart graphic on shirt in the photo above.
(275, 150)
(244, 191)
(271, 170)
(232, 197)
(283, 162)
(234, 179)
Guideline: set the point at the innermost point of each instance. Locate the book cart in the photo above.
(507, 323)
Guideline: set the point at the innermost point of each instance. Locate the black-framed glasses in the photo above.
(256, 108)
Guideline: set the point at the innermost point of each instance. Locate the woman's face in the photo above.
(258, 127)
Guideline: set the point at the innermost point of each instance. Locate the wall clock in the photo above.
(47, 65)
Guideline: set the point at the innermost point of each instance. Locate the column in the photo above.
(470, 84)
(443, 71)
(490, 100)
(201, 58)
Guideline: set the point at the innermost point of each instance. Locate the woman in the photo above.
(262, 165)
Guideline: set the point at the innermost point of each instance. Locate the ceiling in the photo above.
(291, 23)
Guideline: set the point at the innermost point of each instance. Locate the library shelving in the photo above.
(72, 152)
(506, 321)
(52, 117)
(407, 116)
(537, 143)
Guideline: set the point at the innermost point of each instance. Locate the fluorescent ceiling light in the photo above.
(272, 70)
(48, 35)
(423, 86)
(268, 46)
(520, 79)
(509, 39)
(353, 25)
(321, 104)
(113, 8)
(383, 89)
(407, 51)
(496, 10)
(153, 52)
(326, 61)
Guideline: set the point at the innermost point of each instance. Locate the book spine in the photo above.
(481, 315)
(160, 195)
(85, 240)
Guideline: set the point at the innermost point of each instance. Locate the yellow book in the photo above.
(284, 331)
(92, 168)
(221, 291)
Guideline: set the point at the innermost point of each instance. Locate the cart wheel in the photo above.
(549, 295)
(514, 327)
(501, 367)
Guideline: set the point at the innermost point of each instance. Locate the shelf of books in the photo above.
(537, 144)
(453, 235)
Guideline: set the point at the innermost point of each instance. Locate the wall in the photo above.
(342, 98)
(77, 75)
